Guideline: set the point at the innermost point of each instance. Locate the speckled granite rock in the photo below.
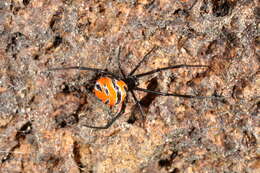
(42, 114)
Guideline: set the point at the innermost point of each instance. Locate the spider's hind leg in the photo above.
(111, 121)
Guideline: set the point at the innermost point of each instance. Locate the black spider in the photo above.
(131, 84)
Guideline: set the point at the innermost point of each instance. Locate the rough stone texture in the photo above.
(42, 113)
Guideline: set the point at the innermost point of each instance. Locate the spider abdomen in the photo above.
(110, 91)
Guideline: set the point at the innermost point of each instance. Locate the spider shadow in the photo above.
(145, 102)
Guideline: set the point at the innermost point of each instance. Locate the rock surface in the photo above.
(42, 113)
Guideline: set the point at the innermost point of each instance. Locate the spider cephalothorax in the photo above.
(112, 89)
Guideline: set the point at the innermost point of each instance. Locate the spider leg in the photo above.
(176, 95)
(119, 64)
(144, 58)
(110, 122)
(139, 105)
(166, 68)
(85, 69)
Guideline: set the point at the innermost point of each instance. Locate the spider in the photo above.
(112, 89)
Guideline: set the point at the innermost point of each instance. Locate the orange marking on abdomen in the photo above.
(123, 87)
(110, 90)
